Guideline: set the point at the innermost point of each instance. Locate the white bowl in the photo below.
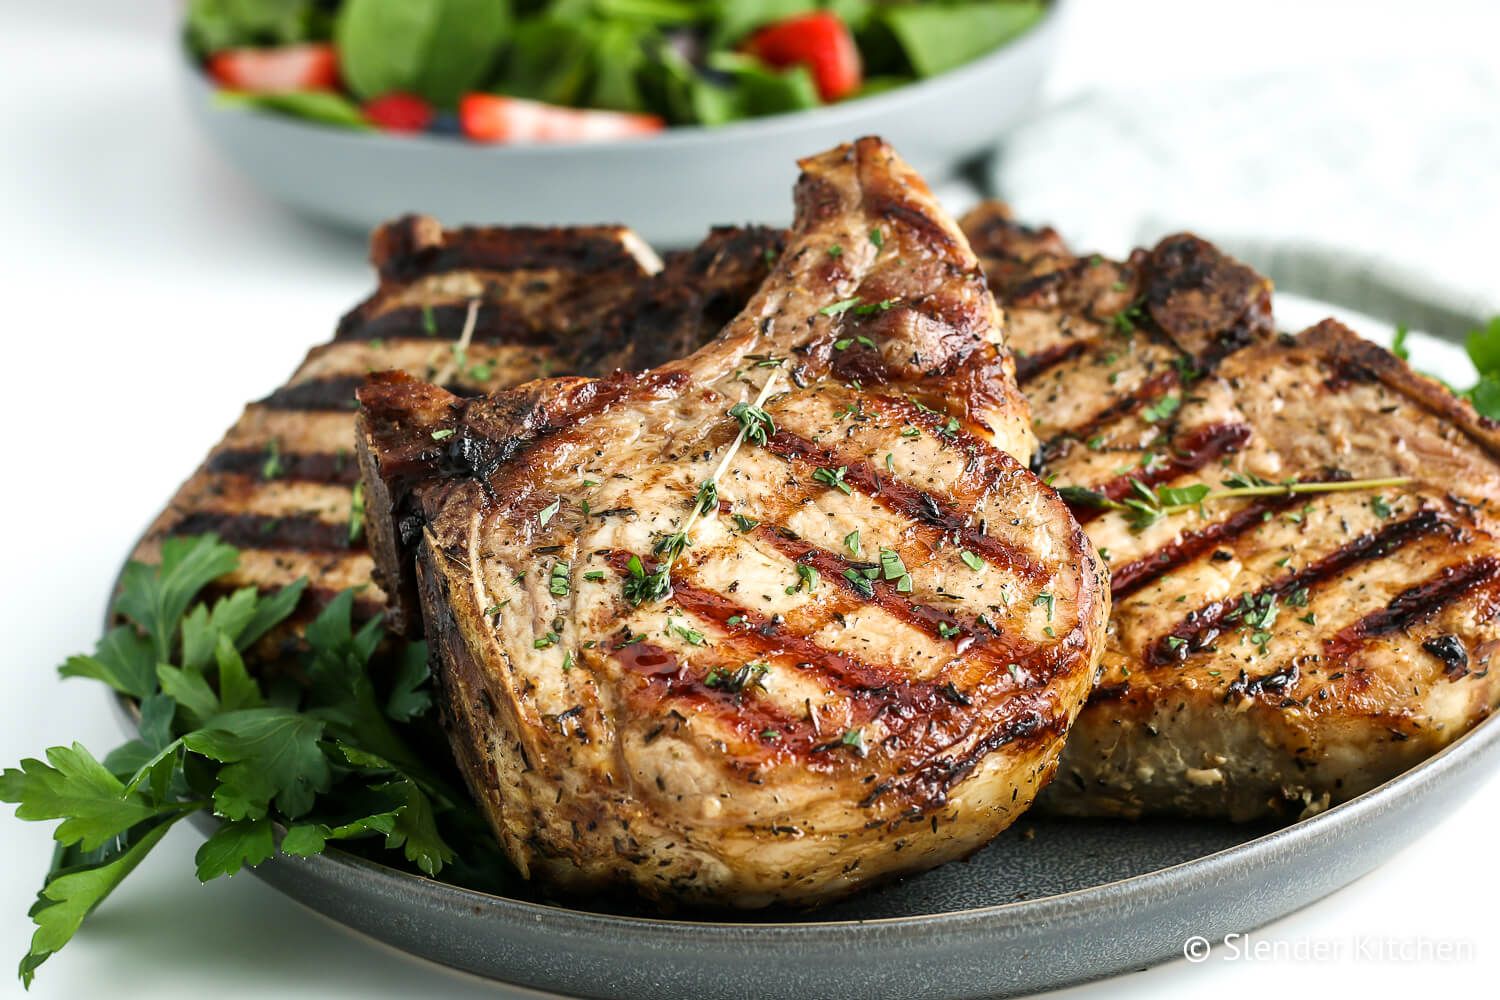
(669, 187)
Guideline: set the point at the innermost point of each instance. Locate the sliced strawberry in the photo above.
(399, 113)
(492, 118)
(821, 42)
(313, 66)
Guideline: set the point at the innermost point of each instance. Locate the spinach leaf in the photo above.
(321, 106)
(939, 37)
(437, 49)
(734, 19)
(760, 90)
(221, 24)
(550, 60)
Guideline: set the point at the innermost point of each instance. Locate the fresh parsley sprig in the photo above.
(324, 760)
(1145, 505)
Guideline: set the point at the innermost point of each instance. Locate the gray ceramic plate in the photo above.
(670, 187)
(1048, 904)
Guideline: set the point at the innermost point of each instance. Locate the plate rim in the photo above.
(1328, 823)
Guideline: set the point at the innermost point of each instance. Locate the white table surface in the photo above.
(151, 293)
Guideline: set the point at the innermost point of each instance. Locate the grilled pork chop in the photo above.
(1271, 654)
(878, 624)
(281, 485)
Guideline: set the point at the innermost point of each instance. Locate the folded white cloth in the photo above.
(1375, 187)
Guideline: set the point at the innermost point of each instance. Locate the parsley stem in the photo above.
(1291, 489)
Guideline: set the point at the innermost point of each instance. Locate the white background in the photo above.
(150, 293)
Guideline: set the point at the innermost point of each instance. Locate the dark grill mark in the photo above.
(1109, 692)
(928, 620)
(258, 531)
(909, 502)
(511, 249)
(1189, 453)
(1030, 366)
(1128, 578)
(1201, 627)
(928, 786)
(333, 393)
(314, 467)
(914, 224)
(766, 637)
(492, 325)
(920, 718)
(1421, 602)
(477, 452)
(1150, 389)
(665, 680)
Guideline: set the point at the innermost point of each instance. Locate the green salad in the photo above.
(560, 70)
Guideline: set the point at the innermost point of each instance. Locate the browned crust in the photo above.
(1359, 358)
(417, 246)
(696, 294)
(651, 314)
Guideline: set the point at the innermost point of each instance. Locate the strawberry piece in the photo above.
(398, 112)
(821, 42)
(313, 66)
(494, 118)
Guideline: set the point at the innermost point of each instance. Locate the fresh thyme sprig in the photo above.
(756, 425)
(459, 352)
(1147, 505)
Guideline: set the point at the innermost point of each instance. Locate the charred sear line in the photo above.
(882, 593)
(1129, 578)
(918, 506)
(917, 224)
(919, 718)
(1149, 389)
(928, 786)
(493, 324)
(1201, 627)
(409, 252)
(1029, 366)
(333, 393)
(260, 531)
(336, 469)
(1420, 603)
(1189, 453)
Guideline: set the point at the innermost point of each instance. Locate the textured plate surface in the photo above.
(1048, 904)
(670, 188)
